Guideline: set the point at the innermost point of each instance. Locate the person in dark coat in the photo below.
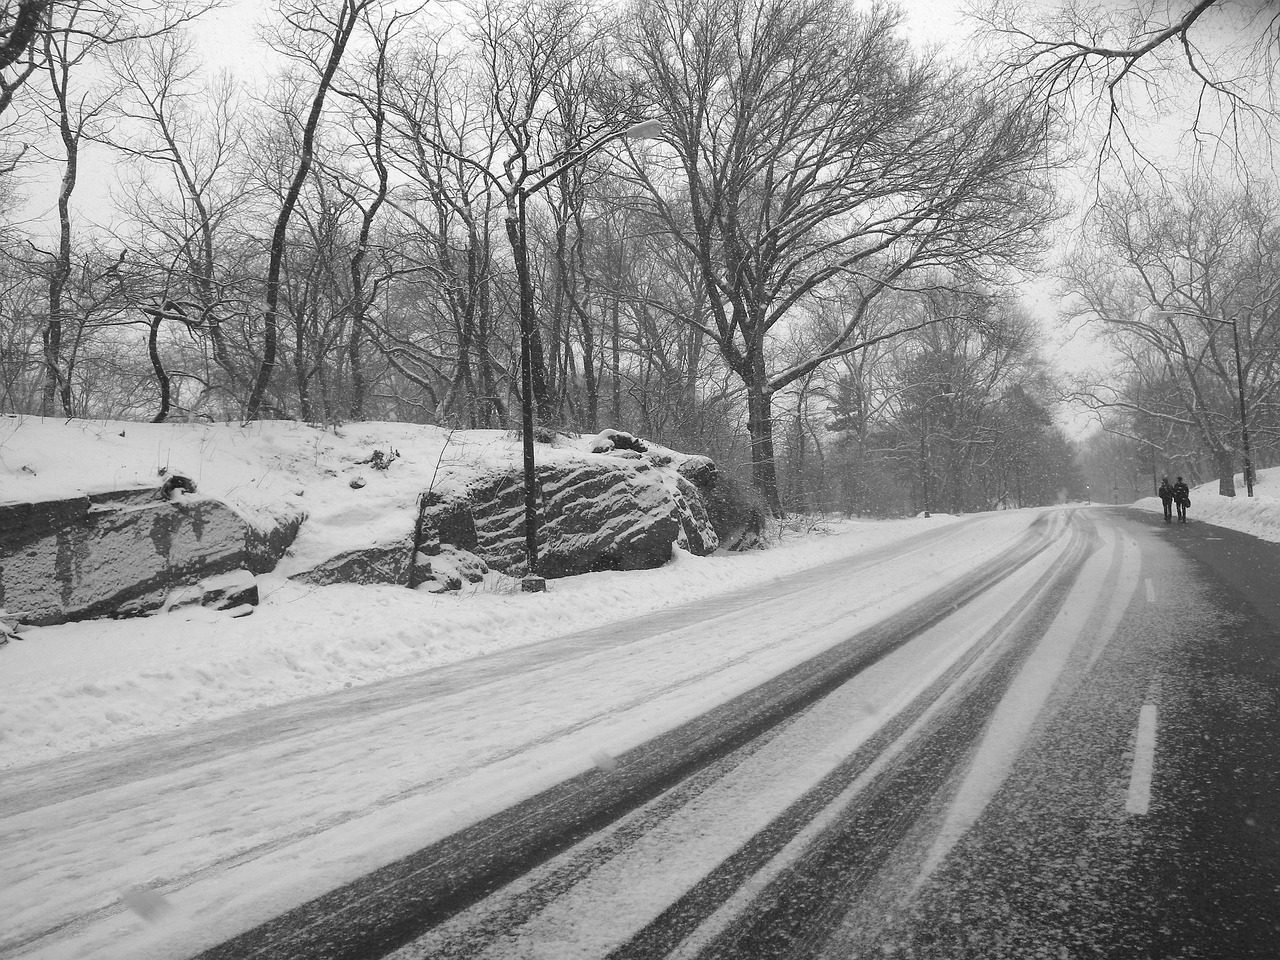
(1166, 497)
(1182, 497)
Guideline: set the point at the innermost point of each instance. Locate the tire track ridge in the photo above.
(804, 903)
(390, 906)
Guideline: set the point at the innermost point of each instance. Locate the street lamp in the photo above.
(1168, 315)
(516, 198)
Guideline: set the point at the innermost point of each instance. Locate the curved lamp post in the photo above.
(516, 198)
(1168, 315)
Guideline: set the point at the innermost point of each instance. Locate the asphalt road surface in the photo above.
(1072, 752)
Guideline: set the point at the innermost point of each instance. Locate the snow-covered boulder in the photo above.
(224, 591)
(597, 511)
(109, 518)
(120, 553)
(607, 441)
(378, 563)
(448, 569)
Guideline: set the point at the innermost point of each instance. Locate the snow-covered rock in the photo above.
(120, 553)
(596, 512)
(377, 563)
(448, 569)
(107, 518)
(225, 591)
(607, 441)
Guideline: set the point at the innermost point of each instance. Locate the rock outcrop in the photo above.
(736, 511)
(235, 592)
(609, 502)
(121, 553)
(608, 511)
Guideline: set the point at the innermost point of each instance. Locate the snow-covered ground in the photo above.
(222, 842)
(78, 687)
(81, 686)
(160, 847)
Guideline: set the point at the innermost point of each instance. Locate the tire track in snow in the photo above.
(25, 788)
(392, 905)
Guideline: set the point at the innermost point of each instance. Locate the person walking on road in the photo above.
(1182, 497)
(1166, 498)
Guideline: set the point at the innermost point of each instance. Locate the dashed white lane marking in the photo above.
(1151, 591)
(1144, 761)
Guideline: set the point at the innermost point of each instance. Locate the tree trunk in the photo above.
(347, 19)
(615, 364)
(22, 31)
(55, 383)
(764, 472)
(162, 378)
(300, 363)
(1225, 464)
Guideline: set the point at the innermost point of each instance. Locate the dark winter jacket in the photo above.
(1166, 491)
(1182, 494)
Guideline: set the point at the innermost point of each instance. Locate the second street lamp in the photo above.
(517, 197)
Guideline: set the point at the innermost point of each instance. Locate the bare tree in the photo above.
(73, 43)
(20, 51)
(19, 22)
(1173, 269)
(365, 90)
(451, 348)
(1119, 60)
(314, 36)
(814, 145)
(177, 226)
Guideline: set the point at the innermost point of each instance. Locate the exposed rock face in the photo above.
(120, 553)
(700, 471)
(381, 563)
(596, 512)
(224, 591)
(736, 511)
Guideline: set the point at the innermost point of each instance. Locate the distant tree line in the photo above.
(1181, 282)
(805, 275)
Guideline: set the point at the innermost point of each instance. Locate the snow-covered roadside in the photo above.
(1258, 515)
(85, 685)
(223, 838)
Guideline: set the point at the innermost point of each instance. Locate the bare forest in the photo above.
(771, 231)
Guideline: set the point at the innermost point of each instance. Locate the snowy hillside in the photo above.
(79, 686)
(356, 484)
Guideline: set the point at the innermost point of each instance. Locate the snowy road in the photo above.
(800, 770)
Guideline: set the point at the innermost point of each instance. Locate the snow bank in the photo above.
(1258, 515)
(84, 685)
(78, 686)
(266, 470)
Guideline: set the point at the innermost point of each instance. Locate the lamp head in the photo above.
(645, 130)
